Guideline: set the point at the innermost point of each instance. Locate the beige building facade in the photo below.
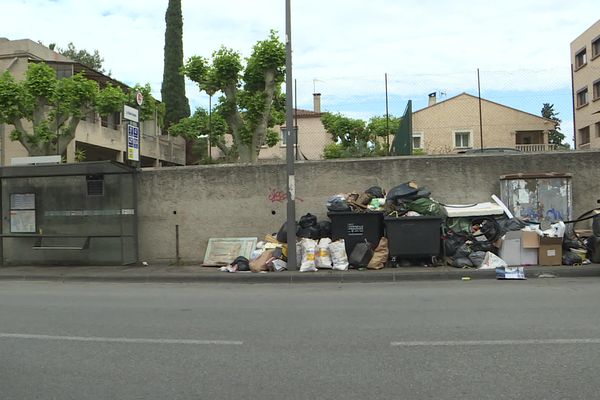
(98, 138)
(312, 136)
(453, 125)
(585, 62)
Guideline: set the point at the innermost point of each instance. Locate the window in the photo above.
(582, 97)
(283, 136)
(596, 90)
(417, 140)
(580, 59)
(584, 136)
(597, 129)
(596, 47)
(462, 139)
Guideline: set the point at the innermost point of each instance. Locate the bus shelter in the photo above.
(69, 214)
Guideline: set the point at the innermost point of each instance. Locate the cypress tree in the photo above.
(173, 84)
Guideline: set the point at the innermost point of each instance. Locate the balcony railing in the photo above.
(536, 148)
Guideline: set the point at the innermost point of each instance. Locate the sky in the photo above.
(342, 49)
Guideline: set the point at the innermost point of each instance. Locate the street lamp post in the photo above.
(291, 182)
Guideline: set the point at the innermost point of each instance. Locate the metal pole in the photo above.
(289, 112)
(387, 120)
(209, 127)
(296, 118)
(177, 258)
(480, 118)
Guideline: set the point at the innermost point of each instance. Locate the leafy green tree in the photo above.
(46, 111)
(251, 100)
(199, 128)
(344, 130)
(381, 126)
(355, 138)
(555, 136)
(173, 84)
(91, 60)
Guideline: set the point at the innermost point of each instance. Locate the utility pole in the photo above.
(290, 140)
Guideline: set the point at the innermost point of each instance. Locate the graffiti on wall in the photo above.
(279, 196)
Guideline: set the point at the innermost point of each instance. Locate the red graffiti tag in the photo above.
(279, 196)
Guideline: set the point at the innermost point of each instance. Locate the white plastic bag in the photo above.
(309, 248)
(323, 257)
(492, 261)
(339, 257)
(298, 253)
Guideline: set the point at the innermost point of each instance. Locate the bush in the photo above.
(333, 150)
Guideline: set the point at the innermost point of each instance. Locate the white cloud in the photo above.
(347, 45)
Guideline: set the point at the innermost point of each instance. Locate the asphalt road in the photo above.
(538, 339)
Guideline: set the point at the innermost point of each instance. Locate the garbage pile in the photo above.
(406, 227)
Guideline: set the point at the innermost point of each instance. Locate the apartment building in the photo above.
(98, 138)
(585, 62)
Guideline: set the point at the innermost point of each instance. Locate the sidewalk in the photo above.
(167, 274)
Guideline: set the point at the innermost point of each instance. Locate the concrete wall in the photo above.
(249, 200)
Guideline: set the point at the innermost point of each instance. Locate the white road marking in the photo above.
(121, 339)
(495, 342)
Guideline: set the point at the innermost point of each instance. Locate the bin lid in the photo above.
(536, 175)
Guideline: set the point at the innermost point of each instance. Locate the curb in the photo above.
(388, 276)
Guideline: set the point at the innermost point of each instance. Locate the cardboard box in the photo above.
(530, 240)
(550, 251)
(514, 253)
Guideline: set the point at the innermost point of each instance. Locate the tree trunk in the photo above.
(260, 132)
(247, 153)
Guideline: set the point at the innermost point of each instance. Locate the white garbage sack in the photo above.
(323, 256)
(492, 261)
(309, 248)
(339, 257)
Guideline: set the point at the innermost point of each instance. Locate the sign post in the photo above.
(133, 143)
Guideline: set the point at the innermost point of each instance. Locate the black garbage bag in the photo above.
(242, 263)
(361, 255)
(570, 258)
(452, 243)
(463, 251)
(476, 258)
(337, 204)
(422, 193)
(572, 243)
(310, 232)
(483, 246)
(462, 262)
(511, 224)
(324, 229)
(307, 220)
(402, 191)
(376, 191)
